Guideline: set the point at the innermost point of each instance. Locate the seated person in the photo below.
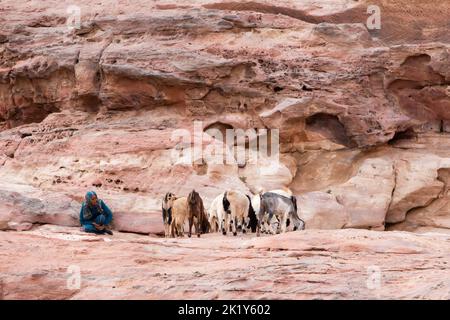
(95, 215)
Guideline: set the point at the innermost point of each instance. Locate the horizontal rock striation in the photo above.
(363, 114)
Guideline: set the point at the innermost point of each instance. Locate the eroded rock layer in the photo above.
(363, 114)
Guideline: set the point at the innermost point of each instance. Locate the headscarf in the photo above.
(88, 197)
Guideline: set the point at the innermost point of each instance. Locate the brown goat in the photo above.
(196, 211)
(179, 214)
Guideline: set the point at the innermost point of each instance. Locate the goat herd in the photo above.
(231, 211)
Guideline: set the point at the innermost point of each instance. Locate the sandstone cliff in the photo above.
(364, 115)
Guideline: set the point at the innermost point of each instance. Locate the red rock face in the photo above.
(363, 115)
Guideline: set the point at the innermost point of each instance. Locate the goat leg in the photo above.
(191, 221)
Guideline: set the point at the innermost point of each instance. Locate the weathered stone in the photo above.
(362, 114)
(310, 264)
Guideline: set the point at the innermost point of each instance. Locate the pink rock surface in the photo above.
(362, 113)
(311, 264)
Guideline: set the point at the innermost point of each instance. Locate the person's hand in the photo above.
(98, 227)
